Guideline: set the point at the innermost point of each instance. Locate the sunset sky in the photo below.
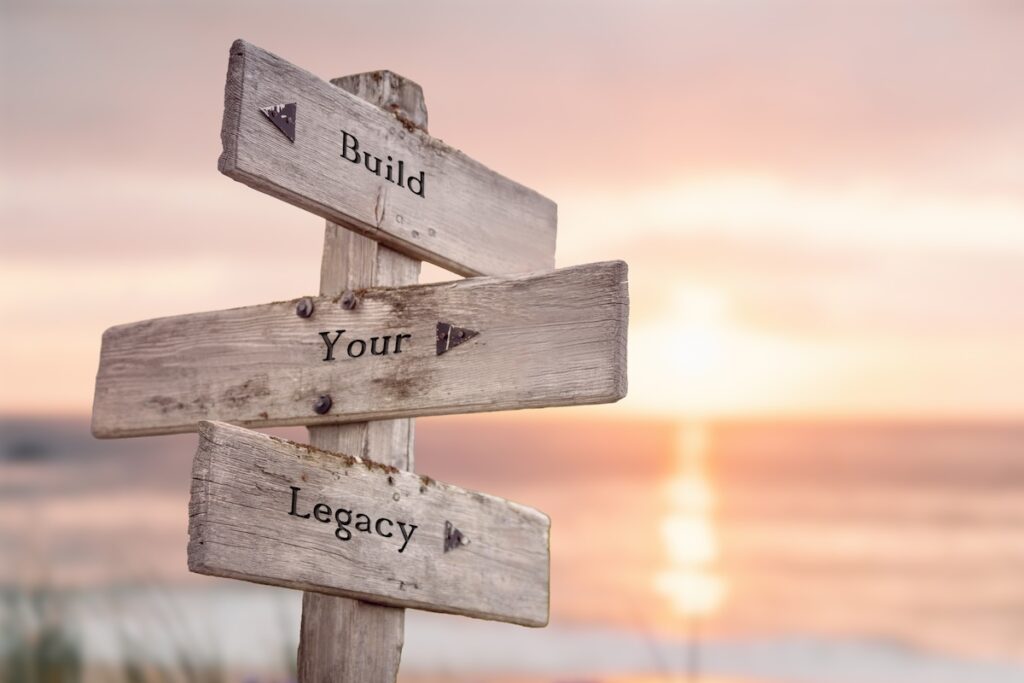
(822, 204)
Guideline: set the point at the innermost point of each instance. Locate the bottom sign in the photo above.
(281, 513)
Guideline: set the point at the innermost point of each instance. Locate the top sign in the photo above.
(301, 139)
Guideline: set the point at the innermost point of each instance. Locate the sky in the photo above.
(821, 203)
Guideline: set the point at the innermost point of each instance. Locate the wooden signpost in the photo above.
(345, 519)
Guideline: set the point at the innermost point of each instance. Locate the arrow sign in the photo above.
(449, 336)
(283, 116)
(453, 538)
(370, 171)
(286, 514)
(531, 341)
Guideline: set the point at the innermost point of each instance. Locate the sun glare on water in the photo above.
(690, 581)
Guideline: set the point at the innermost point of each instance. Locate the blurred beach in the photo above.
(750, 551)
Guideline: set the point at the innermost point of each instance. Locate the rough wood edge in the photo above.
(621, 267)
(233, 86)
(217, 433)
(621, 381)
(200, 492)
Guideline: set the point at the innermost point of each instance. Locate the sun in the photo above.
(699, 319)
(700, 358)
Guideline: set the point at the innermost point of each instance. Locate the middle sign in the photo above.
(482, 344)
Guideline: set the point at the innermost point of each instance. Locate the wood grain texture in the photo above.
(553, 339)
(470, 220)
(342, 640)
(389, 91)
(246, 485)
(349, 641)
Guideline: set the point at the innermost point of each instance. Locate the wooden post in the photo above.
(343, 640)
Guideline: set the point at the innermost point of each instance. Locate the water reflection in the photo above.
(690, 581)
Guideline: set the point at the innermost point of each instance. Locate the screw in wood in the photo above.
(304, 308)
(322, 405)
(349, 300)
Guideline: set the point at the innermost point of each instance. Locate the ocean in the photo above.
(787, 551)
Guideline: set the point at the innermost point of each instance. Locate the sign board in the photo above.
(280, 513)
(480, 344)
(301, 139)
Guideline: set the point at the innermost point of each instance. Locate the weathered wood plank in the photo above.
(557, 338)
(286, 514)
(461, 216)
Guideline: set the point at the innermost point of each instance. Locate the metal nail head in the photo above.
(349, 300)
(304, 308)
(322, 405)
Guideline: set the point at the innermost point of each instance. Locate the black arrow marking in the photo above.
(453, 538)
(283, 116)
(449, 336)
